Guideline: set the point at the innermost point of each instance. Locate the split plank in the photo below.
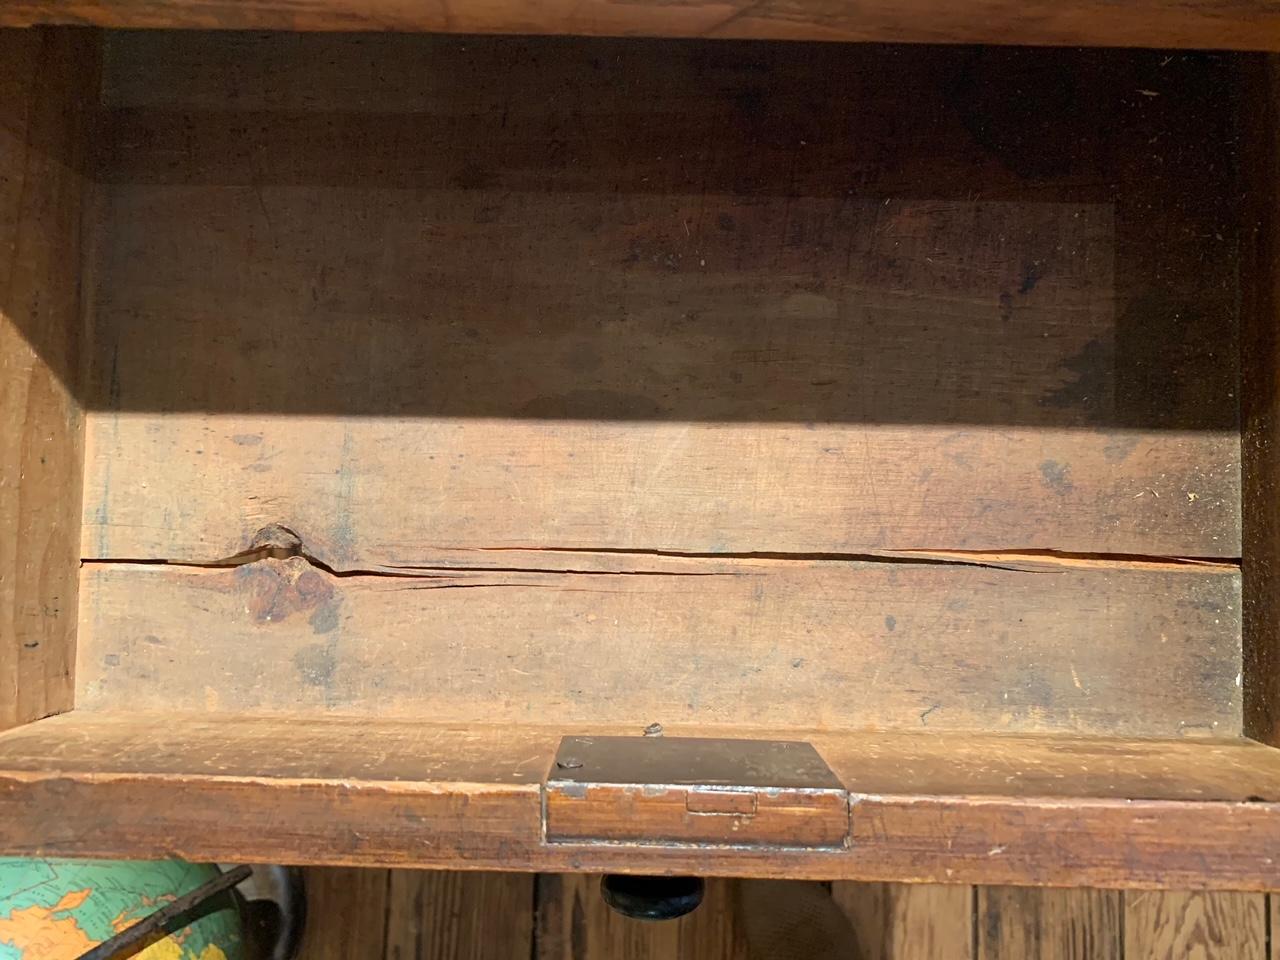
(767, 643)
(664, 299)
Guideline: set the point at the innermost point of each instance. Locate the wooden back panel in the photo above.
(670, 355)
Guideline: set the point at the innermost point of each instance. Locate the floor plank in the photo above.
(895, 921)
(1024, 923)
(442, 915)
(346, 914)
(1197, 926)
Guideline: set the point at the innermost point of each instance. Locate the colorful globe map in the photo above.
(58, 909)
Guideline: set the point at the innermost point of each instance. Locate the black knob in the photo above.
(652, 898)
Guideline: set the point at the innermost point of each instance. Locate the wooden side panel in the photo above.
(48, 79)
(780, 644)
(575, 924)
(1260, 408)
(1207, 926)
(441, 915)
(895, 921)
(1022, 923)
(1204, 23)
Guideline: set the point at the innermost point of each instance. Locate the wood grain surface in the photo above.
(1212, 926)
(1020, 923)
(71, 791)
(1250, 25)
(459, 916)
(895, 921)
(779, 644)
(46, 78)
(922, 763)
(566, 920)
(574, 922)
(667, 298)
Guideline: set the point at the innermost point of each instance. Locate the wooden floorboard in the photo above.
(425, 915)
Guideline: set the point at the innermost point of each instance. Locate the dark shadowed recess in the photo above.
(667, 230)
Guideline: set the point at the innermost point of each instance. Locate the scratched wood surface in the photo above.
(355, 792)
(409, 915)
(46, 78)
(1249, 25)
(780, 644)
(666, 298)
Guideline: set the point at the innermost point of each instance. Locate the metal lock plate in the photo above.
(694, 790)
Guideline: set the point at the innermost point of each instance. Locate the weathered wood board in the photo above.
(814, 645)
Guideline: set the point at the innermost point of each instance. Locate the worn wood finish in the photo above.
(47, 81)
(465, 798)
(1018, 923)
(1207, 926)
(893, 921)
(874, 319)
(780, 643)
(1250, 25)
(574, 923)
(1260, 409)
(925, 763)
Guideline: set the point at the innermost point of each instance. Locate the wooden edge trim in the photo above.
(1103, 843)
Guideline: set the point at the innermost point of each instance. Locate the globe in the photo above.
(57, 909)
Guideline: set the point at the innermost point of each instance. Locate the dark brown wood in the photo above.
(48, 79)
(1260, 408)
(1015, 923)
(1248, 25)
(898, 921)
(899, 315)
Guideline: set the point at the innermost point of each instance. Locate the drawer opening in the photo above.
(438, 398)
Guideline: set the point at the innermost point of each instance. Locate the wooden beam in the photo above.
(1203, 23)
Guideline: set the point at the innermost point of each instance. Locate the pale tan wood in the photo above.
(574, 923)
(769, 643)
(1204, 23)
(1164, 925)
(894, 921)
(46, 80)
(1037, 924)
(347, 912)
(443, 915)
